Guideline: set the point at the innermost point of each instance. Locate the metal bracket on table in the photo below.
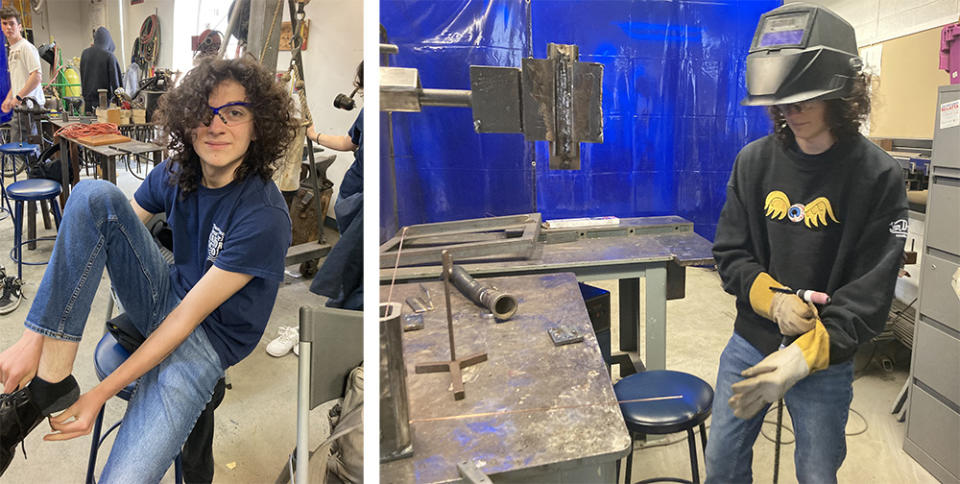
(472, 474)
(563, 335)
(557, 99)
(512, 236)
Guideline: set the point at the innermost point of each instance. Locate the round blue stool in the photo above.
(30, 190)
(108, 356)
(663, 402)
(14, 149)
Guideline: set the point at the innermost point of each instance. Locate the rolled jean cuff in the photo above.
(58, 335)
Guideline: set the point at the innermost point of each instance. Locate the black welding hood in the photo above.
(800, 52)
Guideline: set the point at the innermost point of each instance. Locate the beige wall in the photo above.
(905, 96)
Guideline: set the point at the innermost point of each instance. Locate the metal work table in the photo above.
(533, 411)
(106, 155)
(657, 249)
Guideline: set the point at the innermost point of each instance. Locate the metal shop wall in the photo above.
(673, 124)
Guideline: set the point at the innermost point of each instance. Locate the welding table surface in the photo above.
(625, 258)
(552, 407)
(107, 154)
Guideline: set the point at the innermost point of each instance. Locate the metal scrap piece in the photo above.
(417, 305)
(562, 335)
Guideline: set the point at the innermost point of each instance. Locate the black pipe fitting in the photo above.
(501, 304)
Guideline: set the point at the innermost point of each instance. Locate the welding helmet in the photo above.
(801, 52)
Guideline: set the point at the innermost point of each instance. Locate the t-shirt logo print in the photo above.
(814, 214)
(214, 243)
(899, 228)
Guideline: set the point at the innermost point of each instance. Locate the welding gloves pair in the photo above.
(767, 381)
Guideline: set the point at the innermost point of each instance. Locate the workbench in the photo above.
(106, 156)
(533, 412)
(658, 250)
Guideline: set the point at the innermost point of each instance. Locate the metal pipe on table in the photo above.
(502, 305)
(446, 97)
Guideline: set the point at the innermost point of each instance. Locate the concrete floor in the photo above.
(255, 424)
(698, 328)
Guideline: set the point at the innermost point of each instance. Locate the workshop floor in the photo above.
(698, 328)
(255, 424)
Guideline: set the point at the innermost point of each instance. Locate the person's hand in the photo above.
(18, 363)
(792, 314)
(312, 133)
(78, 419)
(768, 381)
(8, 105)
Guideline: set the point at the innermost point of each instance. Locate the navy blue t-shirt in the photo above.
(353, 179)
(242, 227)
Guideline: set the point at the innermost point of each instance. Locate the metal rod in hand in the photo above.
(776, 447)
(447, 269)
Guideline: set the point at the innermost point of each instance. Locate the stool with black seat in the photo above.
(30, 190)
(107, 357)
(664, 402)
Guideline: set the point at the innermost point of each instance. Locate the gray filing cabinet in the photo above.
(933, 418)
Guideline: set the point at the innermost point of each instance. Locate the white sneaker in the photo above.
(287, 339)
(296, 347)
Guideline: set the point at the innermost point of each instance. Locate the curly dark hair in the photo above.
(843, 115)
(182, 109)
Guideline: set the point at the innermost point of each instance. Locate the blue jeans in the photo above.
(100, 229)
(818, 404)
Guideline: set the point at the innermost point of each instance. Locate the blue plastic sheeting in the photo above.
(4, 83)
(673, 124)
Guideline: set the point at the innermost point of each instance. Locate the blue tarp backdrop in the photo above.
(673, 124)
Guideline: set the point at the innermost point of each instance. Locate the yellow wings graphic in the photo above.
(817, 211)
(813, 214)
(777, 205)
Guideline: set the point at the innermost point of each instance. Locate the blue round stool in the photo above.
(649, 403)
(30, 190)
(106, 358)
(14, 149)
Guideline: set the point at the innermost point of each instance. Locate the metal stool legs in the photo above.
(18, 234)
(694, 466)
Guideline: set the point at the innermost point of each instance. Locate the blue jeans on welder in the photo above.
(818, 405)
(100, 229)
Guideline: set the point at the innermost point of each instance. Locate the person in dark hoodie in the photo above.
(99, 69)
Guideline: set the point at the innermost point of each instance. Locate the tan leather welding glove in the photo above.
(791, 313)
(767, 381)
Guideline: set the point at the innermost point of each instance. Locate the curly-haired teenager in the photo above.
(813, 206)
(226, 124)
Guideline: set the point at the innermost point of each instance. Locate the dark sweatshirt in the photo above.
(834, 222)
(99, 69)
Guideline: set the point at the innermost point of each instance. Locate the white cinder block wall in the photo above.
(879, 20)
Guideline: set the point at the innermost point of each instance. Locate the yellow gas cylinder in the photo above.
(70, 74)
